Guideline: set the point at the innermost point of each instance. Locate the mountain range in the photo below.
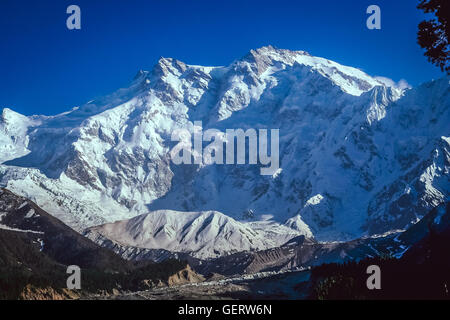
(360, 157)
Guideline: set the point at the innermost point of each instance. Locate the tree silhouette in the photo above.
(433, 34)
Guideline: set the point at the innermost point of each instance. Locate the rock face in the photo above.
(32, 293)
(184, 276)
(357, 156)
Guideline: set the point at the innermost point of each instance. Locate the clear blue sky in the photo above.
(47, 69)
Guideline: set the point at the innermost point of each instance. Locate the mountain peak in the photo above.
(10, 115)
(269, 49)
(169, 65)
(268, 55)
(269, 59)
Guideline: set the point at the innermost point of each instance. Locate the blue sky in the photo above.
(47, 69)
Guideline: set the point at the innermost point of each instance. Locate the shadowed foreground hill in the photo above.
(36, 248)
(421, 273)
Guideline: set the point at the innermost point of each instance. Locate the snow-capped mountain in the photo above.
(357, 156)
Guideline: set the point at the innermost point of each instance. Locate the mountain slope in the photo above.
(421, 273)
(200, 234)
(36, 248)
(52, 237)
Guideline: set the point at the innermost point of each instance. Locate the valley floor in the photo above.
(286, 286)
